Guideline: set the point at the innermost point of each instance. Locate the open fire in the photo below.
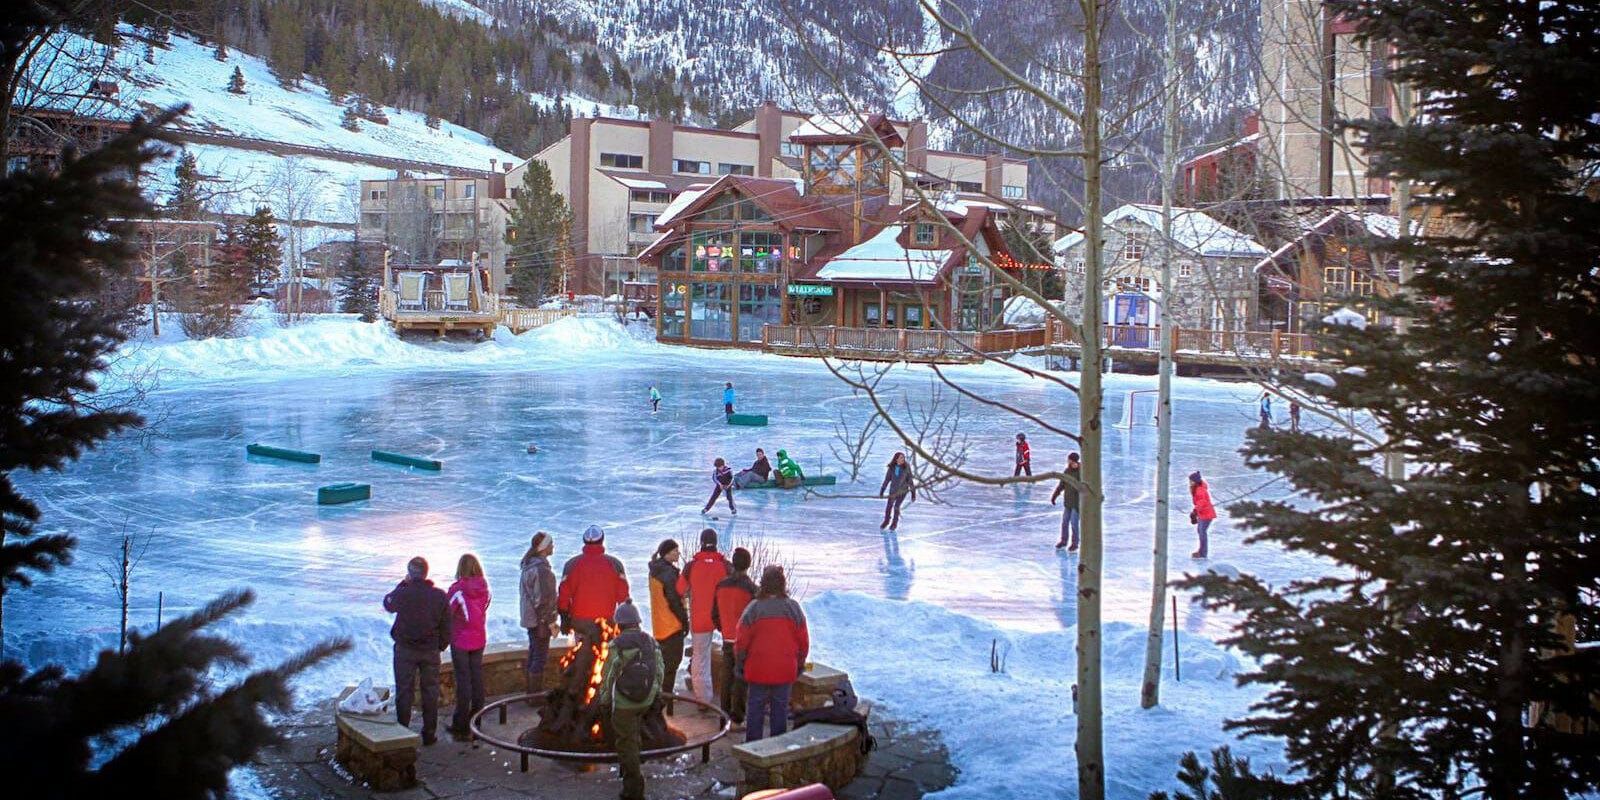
(573, 720)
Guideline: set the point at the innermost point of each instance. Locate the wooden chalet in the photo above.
(764, 262)
(1323, 267)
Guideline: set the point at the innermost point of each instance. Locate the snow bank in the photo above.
(1011, 734)
(1345, 316)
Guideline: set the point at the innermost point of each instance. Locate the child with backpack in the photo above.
(629, 684)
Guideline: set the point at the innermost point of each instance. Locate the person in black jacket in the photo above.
(669, 620)
(721, 484)
(761, 470)
(899, 482)
(1069, 505)
(421, 631)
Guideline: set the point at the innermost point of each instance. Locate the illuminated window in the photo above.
(1334, 279)
(1360, 282)
(1013, 192)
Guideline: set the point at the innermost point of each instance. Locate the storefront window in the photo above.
(760, 251)
(759, 305)
(673, 261)
(913, 315)
(712, 252)
(871, 315)
(710, 315)
(672, 311)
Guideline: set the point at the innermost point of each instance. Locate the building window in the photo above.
(1186, 270)
(672, 303)
(623, 160)
(377, 194)
(469, 190)
(17, 164)
(1360, 282)
(1133, 249)
(1013, 192)
(791, 149)
(1076, 266)
(650, 196)
(759, 305)
(760, 251)
(642, 223)
(1333, 279)
(1134, 285)
(969, 186)
(692, 167)
(923, 234)
(436, 192)
(712, 252)
(735, 169)
(710, 313)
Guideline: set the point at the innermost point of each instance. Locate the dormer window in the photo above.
(923, 234)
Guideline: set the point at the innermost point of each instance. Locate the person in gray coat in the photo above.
(899, 482)
(538, 590)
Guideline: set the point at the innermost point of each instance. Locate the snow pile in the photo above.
(1348, 318)
(1023, 311)
(1320, 379)
(578, 335)
(1011, 734)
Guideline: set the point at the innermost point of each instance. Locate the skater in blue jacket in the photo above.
(727, 398)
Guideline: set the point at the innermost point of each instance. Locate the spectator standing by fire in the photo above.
(669, 622)
(734, 594)
(538, 606)
(421, 631)
(593, 584)
(772, 647)
(630, 688)
(698, 584)
(469, 610)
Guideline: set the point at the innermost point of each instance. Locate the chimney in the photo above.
(769, 126)
(917, 145)
(659, 159)
(1252, 123)
(506, 167)
(494, 164)
(993, 177)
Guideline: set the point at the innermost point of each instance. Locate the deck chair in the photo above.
(412, 287)
(457, 290)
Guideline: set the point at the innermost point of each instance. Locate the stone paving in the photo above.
(907, 765)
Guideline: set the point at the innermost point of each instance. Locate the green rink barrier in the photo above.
(810, 480)
(343, 493)
(753, 420)
(407, 461)
(268, 451)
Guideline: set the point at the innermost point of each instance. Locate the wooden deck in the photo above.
(482, 314)
(1240, 349)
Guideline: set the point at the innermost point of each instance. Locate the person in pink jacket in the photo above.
(1203, 512)
(468, 600)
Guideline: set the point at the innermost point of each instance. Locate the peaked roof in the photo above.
(883, 257)
(846, 127)
(1336, 223)
(1192, 229)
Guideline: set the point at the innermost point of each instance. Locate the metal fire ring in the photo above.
(703, 743)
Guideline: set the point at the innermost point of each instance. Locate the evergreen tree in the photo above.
(220, 53)
(59, 239)
(1438, 653)
(262, 251)
(358, 285)
(185, 202)
(534, 230)
(236, 83)
(286, 44)
(350, 121)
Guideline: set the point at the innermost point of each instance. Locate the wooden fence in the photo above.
(937, 345)
(520, 320)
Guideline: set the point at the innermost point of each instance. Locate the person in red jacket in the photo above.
(772, 648)
(1203, 511)
(734, 593)
(1024, 457)
(698, 585)
(469, 612)
(593, 584)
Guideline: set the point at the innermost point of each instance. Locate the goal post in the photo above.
(1139, 409)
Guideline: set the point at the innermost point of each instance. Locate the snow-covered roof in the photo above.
(1381, 225)
(1193, 229)
(883, 258)
(677, 206)
(638, 183)
(1067, 242)
(1225, 148)
(830, 125)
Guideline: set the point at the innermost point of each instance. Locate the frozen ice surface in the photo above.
(217, 519)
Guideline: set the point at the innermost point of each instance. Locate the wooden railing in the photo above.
(891, 343)
(526, 319)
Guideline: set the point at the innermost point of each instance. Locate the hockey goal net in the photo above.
(1139, 409)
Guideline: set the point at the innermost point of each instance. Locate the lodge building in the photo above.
(843, 244)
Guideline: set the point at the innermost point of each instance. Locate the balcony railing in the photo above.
(938, 345)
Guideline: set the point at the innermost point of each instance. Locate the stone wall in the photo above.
(503, 665)
(832, 756)
(386, 771)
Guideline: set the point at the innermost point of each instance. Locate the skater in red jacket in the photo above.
(1203, 512)
(1024, 457)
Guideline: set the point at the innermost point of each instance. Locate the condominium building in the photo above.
(620, 175)
(428, 218)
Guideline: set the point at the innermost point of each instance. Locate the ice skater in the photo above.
(1203, 512)
(1070, 515)
(1294, 416)
(727, 398)
(1266, 410)
(655, 399)
(1024, 457)
(899, 483)
(721, 483)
